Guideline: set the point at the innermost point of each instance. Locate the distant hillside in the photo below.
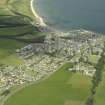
(16, 29)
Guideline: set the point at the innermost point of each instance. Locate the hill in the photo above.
(16, 29)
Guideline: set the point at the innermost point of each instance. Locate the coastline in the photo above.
(38, 18)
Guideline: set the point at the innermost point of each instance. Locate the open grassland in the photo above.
(3, 3)
(7, 52)
(62, 88)
(19, 6)
(18, 30)
(93, 59)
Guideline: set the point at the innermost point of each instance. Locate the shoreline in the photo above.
(39, 20)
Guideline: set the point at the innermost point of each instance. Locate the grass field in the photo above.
(62, 88)
(20, 6)
(7, 52)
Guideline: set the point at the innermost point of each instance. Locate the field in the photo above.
(20, 6)
(7, 52)
(62, 88)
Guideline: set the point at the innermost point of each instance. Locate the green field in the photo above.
(20, 6)
(7, 52)
(62, 88)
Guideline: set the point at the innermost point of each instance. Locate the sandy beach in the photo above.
(38, 18)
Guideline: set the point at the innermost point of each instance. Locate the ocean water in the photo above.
(72, 14)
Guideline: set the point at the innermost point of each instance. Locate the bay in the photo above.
(72, 14)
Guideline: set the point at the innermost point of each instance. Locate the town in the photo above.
(80, 47)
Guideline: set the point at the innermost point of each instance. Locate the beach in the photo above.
(38, 18)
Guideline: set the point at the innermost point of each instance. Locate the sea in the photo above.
(65, 15)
